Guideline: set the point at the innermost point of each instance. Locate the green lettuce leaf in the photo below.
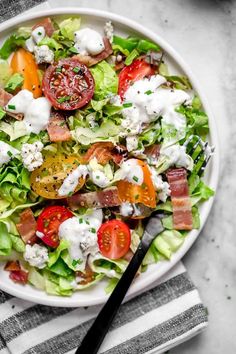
(197, 120)
(168, 241)
(68, 27)
(36, 279)
(51, 43)
(106, 80)
(132, 43)
(5, 240)
(179, 82)
(5, 72)
(12, 43)
(15, 81)
(14, 130)
(17, 244)
(108, 267)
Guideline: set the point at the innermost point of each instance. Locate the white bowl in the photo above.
(96, 295)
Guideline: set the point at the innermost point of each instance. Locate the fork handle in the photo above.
(95, 335)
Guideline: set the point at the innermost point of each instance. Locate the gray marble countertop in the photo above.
(204, 33)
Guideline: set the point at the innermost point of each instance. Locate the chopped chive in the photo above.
(63, 99)
(80, 220)
(143, 185)
(39, 33)
(11, 106)
(76, 261)
(9, 153)
(148, 92)
(87, 222)
(76, 69)
(93, 230)
(46, 223)
(58, 69)
(70, 194)
(62, 124)
(127, 105)
(73, 50)
(136, 196)
(97, 177)
(135, 178)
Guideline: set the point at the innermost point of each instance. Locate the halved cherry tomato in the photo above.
(104, 152)
(114, 239)
(134, 72)
(49, 221)
(23, 62)
(48, 178)
(68, 84)
(133, 193)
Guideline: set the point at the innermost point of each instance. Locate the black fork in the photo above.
(200, 151)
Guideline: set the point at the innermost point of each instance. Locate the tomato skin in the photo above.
(134, 72)
(114, 239)
(49, 221)
(60, 81)
(133, 193)
(48, 178)
(23, 62)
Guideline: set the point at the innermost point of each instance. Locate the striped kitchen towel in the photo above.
(153, 322)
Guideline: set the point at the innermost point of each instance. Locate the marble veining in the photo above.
(204, 33)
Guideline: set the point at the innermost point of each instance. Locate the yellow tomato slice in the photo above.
(48, 178)
(133, 193)
(23, 62)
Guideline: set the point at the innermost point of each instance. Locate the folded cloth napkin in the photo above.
(153, 322)
(166, 315)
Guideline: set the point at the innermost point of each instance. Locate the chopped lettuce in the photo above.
(51, 43)
(12, 43)
(5, 72)
(2, 113)
(14, 130)
(197, 120)
(36, 279)
(106, 80)
(5, 240)
(15, 81)
(132, 43)
(167, 242)
(179, 82)
(108, 267)
(108, 131)
(68, 27)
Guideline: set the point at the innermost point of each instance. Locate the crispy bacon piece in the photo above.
(152, 152)
(47, 24)
(27, 226)
(19, 276)
(102, 199)
(92, 60)
(12, 266)
(5, 97)
(181, 203)
(87, 276)
(104, 152)
(57, 128)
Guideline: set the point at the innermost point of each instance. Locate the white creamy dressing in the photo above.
(88, 41)
(7, 152)
(126, 209)
(130, 171)
(95, 172)
(148, 101)
(162, 187)
(36, 110)
(176, 156)
(81, 234)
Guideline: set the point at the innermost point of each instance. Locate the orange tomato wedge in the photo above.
(133, 193)
(23, 62)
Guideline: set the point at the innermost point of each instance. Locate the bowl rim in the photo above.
(215, 168)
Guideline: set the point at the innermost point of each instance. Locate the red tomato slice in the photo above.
(19, 276)
(134, 72)
(68, 84)
(49, 221)
(114, 239)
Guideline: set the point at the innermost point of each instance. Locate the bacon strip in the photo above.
(57, 128)
(90, 60)
(27, 226)
(19, 276)
(104, 152)
(5, 97)
(47, 24)
(181, 203)
(102, 199)
(12, 266)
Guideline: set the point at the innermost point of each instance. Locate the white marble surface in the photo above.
(204, 33)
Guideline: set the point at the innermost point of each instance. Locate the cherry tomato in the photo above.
(114, 239)
(68, 84)
(23, 62)
(48, 178)
(49, 221)
(133, 193)
(134, 72)
(104, 152)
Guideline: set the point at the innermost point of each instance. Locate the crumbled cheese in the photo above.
(31, 155)
(38, 34)
(163, 188)
(36, 255)
(126, 209)
(43, 54)
(109, 30)
(131, 143)
(7, 152)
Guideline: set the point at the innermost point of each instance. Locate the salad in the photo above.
(93, 139)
